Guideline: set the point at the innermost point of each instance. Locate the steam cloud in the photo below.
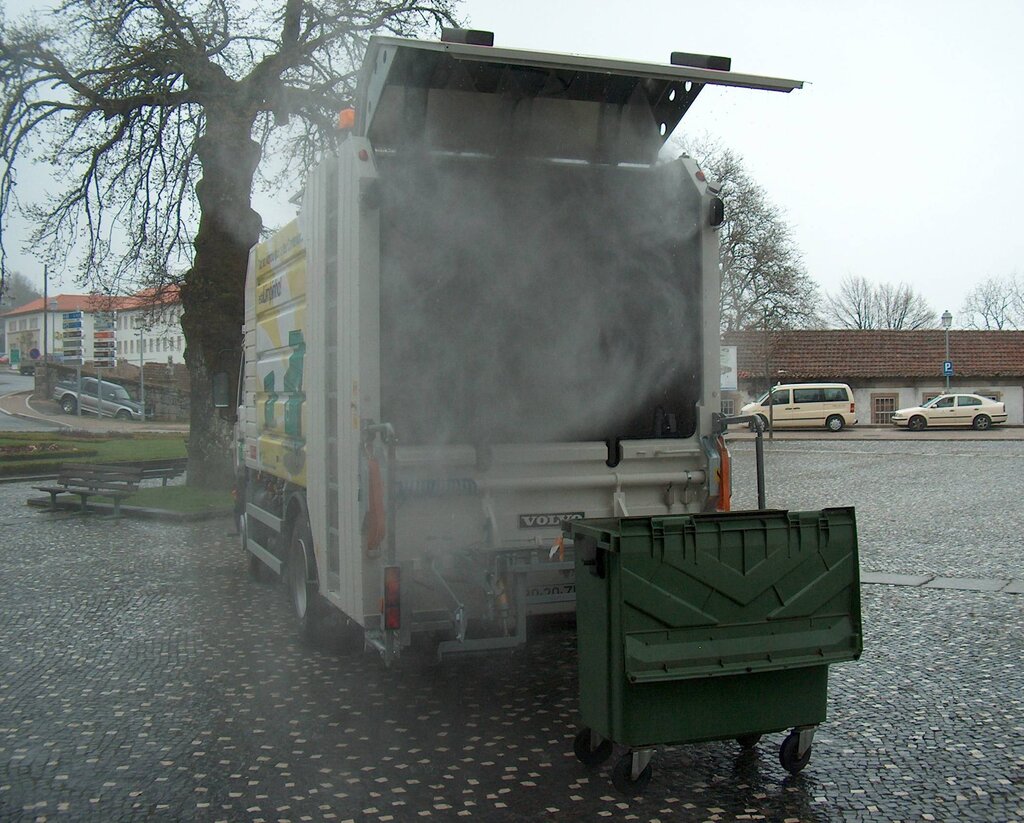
(526, 301)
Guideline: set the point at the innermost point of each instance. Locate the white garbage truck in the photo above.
(497, 310)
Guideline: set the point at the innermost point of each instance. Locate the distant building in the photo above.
(887, 370)
(147, 326)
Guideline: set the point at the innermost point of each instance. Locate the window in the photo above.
(808, 396)
(836, 395)
(964, 400)
(780, 397)
(943, 403)
(882, 407)
(728, 406)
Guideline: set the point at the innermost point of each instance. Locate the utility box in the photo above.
(711, 626)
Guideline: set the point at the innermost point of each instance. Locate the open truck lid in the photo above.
(462, 97)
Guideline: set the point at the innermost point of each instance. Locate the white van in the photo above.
(806, 405)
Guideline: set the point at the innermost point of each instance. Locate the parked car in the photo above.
(952, 410)
(806, 405)
(27, 367)
(100, 397)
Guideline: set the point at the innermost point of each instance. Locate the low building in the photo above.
(887, 370)
(147, 326)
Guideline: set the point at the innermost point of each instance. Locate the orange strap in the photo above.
(374, 524)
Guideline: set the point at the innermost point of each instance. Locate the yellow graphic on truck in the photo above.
(280, 354)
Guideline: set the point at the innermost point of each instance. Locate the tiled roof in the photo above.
(840, 354)
(98, 302)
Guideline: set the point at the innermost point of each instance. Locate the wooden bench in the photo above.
(91, 480)
(163, 473)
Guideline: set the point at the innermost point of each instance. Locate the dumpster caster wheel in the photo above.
(587, 753)
(748, 741)
(622, 776)
(789, 751)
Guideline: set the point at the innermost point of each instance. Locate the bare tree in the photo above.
(900, 307)
(17, 291)
(762, 270)
(853, 307)
(158, 114)
(859, 304)
(997, 303)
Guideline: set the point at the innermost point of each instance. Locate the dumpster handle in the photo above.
(720, 424)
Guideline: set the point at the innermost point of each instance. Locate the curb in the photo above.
(129, 511)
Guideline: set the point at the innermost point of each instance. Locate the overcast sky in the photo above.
(901, 158)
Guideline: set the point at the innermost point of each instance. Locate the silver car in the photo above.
(99, 397)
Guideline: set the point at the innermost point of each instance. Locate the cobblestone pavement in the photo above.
(144, 675)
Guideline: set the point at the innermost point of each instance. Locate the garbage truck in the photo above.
(496, 312)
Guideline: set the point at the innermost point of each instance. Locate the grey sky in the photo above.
(898, 161)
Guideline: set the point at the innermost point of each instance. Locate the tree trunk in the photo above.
(213, 292)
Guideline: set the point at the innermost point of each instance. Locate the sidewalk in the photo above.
(20, 405)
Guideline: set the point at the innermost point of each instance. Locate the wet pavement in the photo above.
(143, 674)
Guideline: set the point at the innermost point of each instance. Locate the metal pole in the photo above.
(947, 358)
(46, 309)
(759, 461)
(142, 374)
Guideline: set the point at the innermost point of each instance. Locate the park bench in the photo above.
(163, 473)
(90, 480)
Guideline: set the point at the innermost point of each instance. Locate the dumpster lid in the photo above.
(459, 97)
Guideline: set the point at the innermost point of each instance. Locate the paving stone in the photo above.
(967, 584)
(895, 579)
(1014, 587)
(144, 675)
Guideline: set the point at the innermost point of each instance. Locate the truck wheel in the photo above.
(917, 423)
(123, 414)
(300, 579)
(835, 423)
(982, 422)
(68, 404)
(588, 756)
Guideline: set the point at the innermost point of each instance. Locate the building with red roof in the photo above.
(886, 369)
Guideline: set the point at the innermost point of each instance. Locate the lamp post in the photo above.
(947, 321)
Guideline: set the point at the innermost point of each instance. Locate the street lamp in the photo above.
(947, 321)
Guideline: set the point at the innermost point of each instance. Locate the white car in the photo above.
(979, 413)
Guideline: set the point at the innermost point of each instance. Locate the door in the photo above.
(966, 408)
(89, 401)
(943, 412)
(781, 411)
(808, 407)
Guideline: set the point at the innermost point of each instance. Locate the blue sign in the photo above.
(947, 368)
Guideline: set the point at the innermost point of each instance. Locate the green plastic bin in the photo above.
(711, 626)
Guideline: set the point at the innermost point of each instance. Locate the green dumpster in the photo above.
(710, 626)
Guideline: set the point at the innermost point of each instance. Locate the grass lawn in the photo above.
(180, 499)
(26, 453)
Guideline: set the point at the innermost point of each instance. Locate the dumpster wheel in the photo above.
(587, 752)
(632, 772)
(789, 753)
(748, 741)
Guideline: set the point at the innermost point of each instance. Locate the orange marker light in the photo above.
(346, 119)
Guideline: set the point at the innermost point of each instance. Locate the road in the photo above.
(143, 674)
(10, 383)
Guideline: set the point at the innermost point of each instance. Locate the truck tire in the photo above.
(68, 404)
(302, 586)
